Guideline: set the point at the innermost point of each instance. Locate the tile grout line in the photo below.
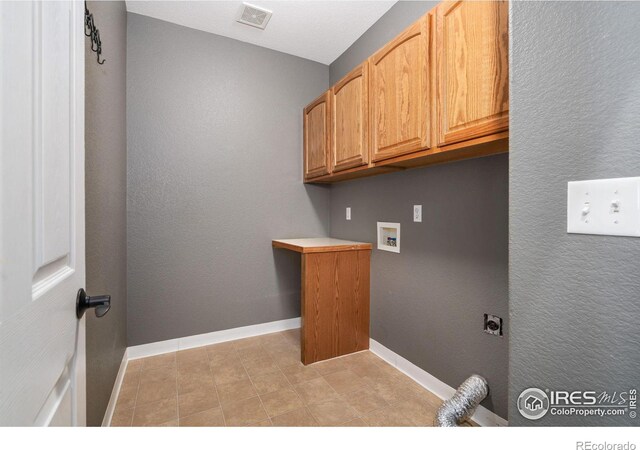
(388, 403)
(254, 386)
(399, 376)
(215, 386)
(135, 401)
(213, 378)
(293, 386)
(306, 407)
(294, 390)
(140, 374)
(339, 397)
(358, 415)
(187, 393)
(177, 391)
(369, 385)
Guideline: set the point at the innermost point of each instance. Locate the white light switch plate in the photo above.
(605, 207)
(348, 213)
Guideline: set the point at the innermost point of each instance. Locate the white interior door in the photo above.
(42, 361)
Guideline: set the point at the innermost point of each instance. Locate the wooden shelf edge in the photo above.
(352, 174)
(475, 148)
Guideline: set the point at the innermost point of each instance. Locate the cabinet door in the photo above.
(472, 45)
(316, 137)
(349, 120)
(399, 93)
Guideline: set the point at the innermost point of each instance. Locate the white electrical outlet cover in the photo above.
(604, 207)
(348, 212)
(417, 213)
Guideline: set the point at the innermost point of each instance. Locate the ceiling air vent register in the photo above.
(253, 16)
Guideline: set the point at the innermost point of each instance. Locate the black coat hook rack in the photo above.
(91, 31)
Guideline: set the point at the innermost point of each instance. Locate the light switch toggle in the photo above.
(586, 209)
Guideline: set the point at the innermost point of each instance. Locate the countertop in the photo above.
(320, 245)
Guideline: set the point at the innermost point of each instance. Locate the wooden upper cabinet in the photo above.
(399, 93)
(472, 51)
(349, 120)
(316, 137)
(437, 92)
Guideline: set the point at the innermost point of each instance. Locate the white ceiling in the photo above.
(317, 30)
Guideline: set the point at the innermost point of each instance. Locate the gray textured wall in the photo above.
(105, 188)
(427, 303)
(214, 173)
(575, 114)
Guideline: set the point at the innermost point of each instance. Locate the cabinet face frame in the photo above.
(420, 30)
(492, 124)
(323, 169)
(359, 74)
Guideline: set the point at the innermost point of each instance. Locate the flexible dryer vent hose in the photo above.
(463, 403)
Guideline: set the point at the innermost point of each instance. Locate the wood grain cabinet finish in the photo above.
(316, 137)
(350, 121)
(399, 93)
(472, 54)
(335, 304)
(438, 92)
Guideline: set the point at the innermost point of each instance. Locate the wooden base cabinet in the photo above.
(335, 304)
(335, 296)
(399, 93)
(472, 54)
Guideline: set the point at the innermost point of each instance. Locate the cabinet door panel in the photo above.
(473, 71)
(316, 137)
(335, 304)
(349, 120)
(399, 93)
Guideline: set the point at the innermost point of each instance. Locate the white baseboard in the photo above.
(111, 407)
(482, 416)
(199, 340)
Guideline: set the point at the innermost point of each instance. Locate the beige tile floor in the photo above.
(260, 381)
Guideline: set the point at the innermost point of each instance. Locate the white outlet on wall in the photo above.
(606, 207)
(348, 212)
(417, 213)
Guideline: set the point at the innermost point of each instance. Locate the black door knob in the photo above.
(102, 303)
